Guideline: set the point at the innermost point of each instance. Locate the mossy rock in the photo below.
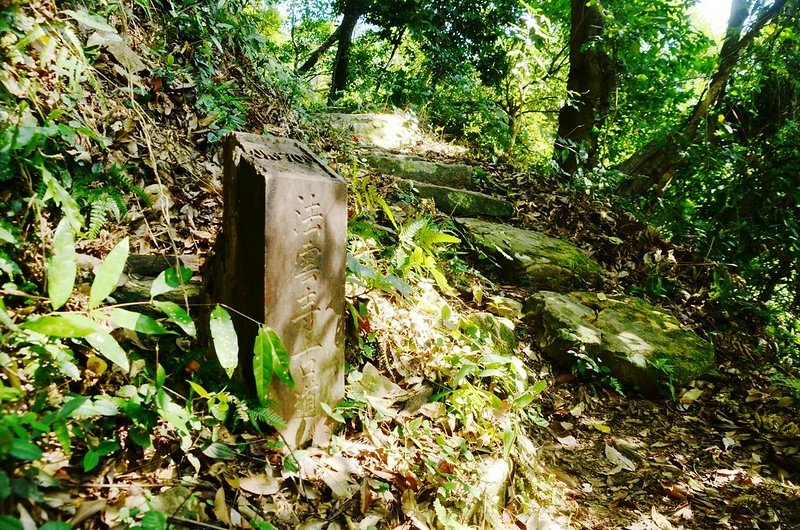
(644, 347)
(532, 259)
(420, 170)
(493, 331)
(462, 202)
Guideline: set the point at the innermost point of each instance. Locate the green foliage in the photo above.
(220, 101)
(594, 370)
(226, 344)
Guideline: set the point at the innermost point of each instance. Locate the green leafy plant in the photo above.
(594, 370)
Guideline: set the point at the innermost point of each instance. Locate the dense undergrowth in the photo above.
(109, 128)
(96, 99)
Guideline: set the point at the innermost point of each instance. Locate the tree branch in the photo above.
(314, 57)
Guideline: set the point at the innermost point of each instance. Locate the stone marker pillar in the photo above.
(283, 263)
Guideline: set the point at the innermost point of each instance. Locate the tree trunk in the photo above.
(657, 162)
(588, 84)
(342, 63)
(314, 57)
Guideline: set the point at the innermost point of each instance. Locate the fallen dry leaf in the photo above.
(618, 459)
(260, 484)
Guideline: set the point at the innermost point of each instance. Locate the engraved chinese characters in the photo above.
(283, 263)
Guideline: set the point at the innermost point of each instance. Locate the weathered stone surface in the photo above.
(283, 264)
(389, 131)
(533, 259)
(419, 170)
(644, 346)
(462, 202)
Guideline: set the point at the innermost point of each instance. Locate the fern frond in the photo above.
(98, 212)
(266, 416)
(429, 236)
(410, 229)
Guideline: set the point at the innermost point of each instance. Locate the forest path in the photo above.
(723, 453)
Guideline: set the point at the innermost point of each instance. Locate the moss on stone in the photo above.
(463, 202)
(533, 259)
(644, 346)
(413, 168)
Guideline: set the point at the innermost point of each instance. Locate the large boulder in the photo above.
(533, 259)
(388, 131)
(421, 170)
(462, 202)
(643, 346)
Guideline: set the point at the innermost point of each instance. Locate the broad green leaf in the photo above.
(89, 20)
(108, 347)
(171, 279)
(178, 315)
(64, 360)
(335, 414)
(5, 485)
(225, 342)
(71, 406)
(262, 363)
(61, 431)
(61, 326)
(202, 392)
(61, 198)
(109, 273)
(8, 393)
(90, 460)
(6, 235)
(62, 268)
(281, 365)
(218, 450)
(161, 376)
(153, 520)
(25, 450)
(137, 322)
(8, 265)
(56, 525)
(10, 523)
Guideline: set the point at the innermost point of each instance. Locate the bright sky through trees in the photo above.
(715, 13)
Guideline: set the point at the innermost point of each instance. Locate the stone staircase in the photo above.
(642, 346)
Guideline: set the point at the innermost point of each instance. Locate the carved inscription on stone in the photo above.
(284, 230)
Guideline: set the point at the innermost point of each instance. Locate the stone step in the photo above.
(533, 259)
(388, 131)
(643, 346)
(420, 170)
(462, 202)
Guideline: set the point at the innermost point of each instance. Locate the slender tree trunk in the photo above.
(656, 163)
(342, 63)
(314, 57)
(588, 86)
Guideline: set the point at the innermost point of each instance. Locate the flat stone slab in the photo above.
(532, 259)
(420, 170)
(643, 346)
(462, 202)
(388, 131)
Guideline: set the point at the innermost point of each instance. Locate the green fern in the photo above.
(103, 192)
(409, 231)
(429, 236)
(108, 202)
(266, 416)
(259, 416)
